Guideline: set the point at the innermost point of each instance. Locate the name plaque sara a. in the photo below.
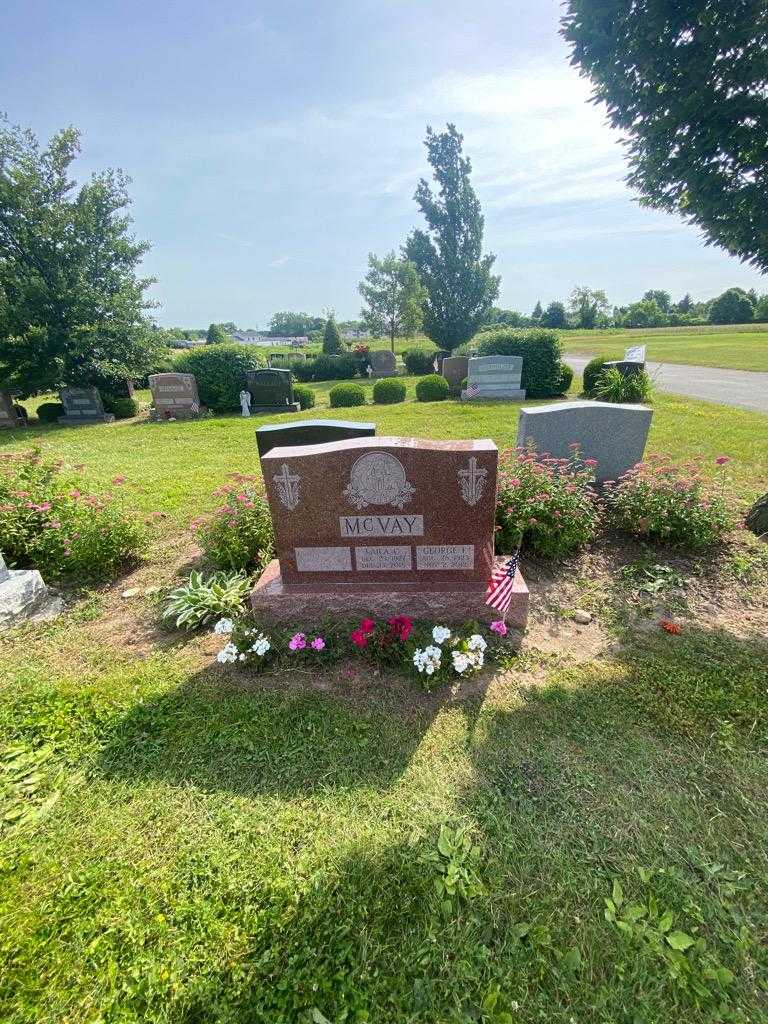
(382, 526)
(376, 557)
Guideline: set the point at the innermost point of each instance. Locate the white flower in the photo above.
(224, 626)
(427, 660)
(261, 646)
(440, 634)
(228, 653)
(476, 658)
(241, 657)
(461, 661)
(476, 643)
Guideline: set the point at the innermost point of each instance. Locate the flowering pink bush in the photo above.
(546, 502)
(239, 533)
(669, 504)
(49, 522)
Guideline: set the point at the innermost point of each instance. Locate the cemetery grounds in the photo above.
(581, 837)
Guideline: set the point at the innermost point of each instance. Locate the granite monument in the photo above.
(494, 377)
(81, 406)
(383, 363)
(303, 432)
(271, 390)
(174, 396)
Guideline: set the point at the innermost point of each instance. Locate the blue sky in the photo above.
(273, 145)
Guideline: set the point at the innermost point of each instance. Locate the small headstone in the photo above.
(302, 432)
(757, 518)
(385, 525)
(494, 377)
(383, 363)
(24, 597)
(612, 434)
(83, 405)
(271, 391)
(627, 368)
(455, 369)
(10, 414)
(174, 396)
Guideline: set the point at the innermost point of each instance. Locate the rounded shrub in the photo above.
(419, 361)
(220, 373)
(121, 408)
(566, 378)
(49, 412)
(304, 395)
(343, 396)
(388, 391)
(543, 373)
(433, 388)
(592, 371)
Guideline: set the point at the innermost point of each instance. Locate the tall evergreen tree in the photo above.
(537, 313)
(448, 255)
(332, 343)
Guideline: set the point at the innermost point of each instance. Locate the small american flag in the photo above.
(472, 390)
(502, 582)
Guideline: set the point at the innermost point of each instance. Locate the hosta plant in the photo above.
(199, 600)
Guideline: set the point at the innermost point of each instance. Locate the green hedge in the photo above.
(345, 395)
(388, 391)
(220, 373)
(304, 395)
(49, 412)
(419, 361)
(544, 373)
(433, 388)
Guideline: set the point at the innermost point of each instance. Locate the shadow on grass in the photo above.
(280, 735)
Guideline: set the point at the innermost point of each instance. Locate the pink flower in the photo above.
(722, 459)
(514, 482)
(119, 479)
(499, 627)
(400, 626)
(297, 642)
(318, 644)
(590, 462)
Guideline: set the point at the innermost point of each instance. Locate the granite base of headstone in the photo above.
(24, 597)
(174, 397)
(11, 415)
(611, 433)
(271, 391)
(83, 406)
(301, 432)
(455, 369)
(626, 367)
(382, 525)
(494, 377)
(383, 363)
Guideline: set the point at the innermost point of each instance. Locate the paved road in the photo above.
(747, 389)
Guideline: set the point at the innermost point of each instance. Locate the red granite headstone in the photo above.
(389, 524)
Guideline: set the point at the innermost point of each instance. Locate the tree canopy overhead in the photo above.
(687, 83)
(449, 255)
(72, 308)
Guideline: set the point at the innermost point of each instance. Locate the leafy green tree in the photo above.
(537, 314)
(504, 318)
(555, 316)
(332, 343)
(732, 307)
(394, 297)
(72, 308)
(662, 299)
(643, 314)
(685, 82)
(291, 325)
(685, 305)
(761, 309)
(217, 335)
(588, 307)
(448, 255)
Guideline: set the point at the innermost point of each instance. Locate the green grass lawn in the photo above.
(740, 347)
(182, 846)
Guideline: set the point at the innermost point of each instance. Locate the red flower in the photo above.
(401, 627)
(358, 638)
(671, 627)
(367, 626)
(722, 459)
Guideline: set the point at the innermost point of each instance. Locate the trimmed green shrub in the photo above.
(303, 371)
(49, 412)
(544, 374)
(121, 408)
(614, 386)
(433, 388)
(332, 342)
(346, 395)
(342, 367)
(388, 391)
(220, 373)
(304, 395)
(566, 378)
(419, 361)
(592, 371)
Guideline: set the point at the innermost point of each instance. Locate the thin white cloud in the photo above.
(281, 261)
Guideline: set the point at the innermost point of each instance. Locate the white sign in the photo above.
(636, 354)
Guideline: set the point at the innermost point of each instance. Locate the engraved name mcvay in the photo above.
(382, 526)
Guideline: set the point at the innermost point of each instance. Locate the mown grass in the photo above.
(738, 347)
(183, 847)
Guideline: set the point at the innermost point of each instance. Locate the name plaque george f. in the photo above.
(379, 512)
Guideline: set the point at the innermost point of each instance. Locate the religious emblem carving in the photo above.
(472, 481)
(378, 478)
(287, 487)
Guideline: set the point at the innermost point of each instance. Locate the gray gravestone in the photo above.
(271, 391)
(9, 413)
(24, 597)
(626, 367)
(286, 435)
(612, 434)
(174, 396)
(494, 377)
(383, 363)
(83, 405)
(455, 369)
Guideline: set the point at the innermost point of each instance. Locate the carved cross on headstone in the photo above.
(472, 481)
(287, 487)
